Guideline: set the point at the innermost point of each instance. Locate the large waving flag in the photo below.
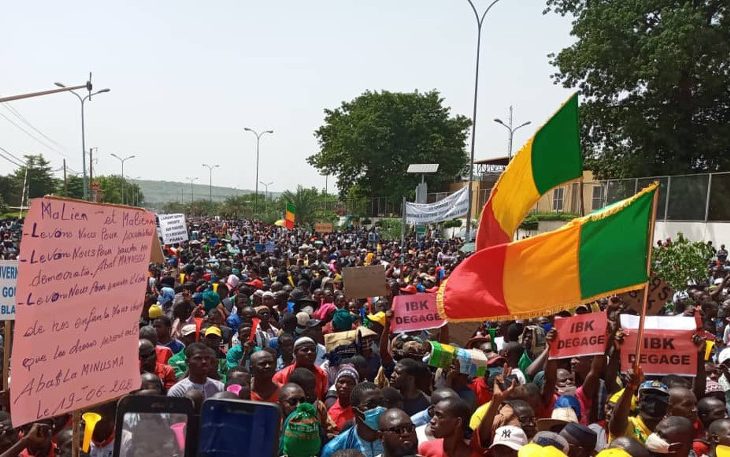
(548, 159)
(593, 256)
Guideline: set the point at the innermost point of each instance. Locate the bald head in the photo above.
(719, 432)
(442, 394)
(630, 445)
(710, 409)
(676, 429)
(682, 402)
(393, 416)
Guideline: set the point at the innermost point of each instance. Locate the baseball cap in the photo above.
(257, 283)
(213, 330)
(551, 439)
(409, 289)
(533, 449)
(723, 356)
(510, 436)
(653, 386)
(188, 329)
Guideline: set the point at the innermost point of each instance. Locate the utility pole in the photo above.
(65, 183)
(508, 126)
(91, 167)
(210, 181)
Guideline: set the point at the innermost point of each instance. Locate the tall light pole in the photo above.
(136, 190)
(83, 132)
(266, 194)
(122, 160)
(192, 193)
(511, 130)
(258, 141)
(210, 182)
(480, 22)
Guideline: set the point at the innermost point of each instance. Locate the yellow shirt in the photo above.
(637, 429)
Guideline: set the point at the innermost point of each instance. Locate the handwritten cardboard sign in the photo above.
(323, 227)
(580, 335)
(81, 283)
(8, 280)
(363, 282)
(415, 312)
(667, 346)
(173, 228)
(659, 293)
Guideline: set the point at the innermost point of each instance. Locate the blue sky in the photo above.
(186, 77)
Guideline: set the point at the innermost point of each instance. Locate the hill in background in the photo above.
(157, 193)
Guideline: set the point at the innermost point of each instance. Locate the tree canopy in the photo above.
(368, 143)
(655, 76)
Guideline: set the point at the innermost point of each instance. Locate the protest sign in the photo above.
(259, 248)
(173, 228)
(363, 282)
(270, 247)
(323, 227)
(415, 312)
(580, 335)
(81, 284)
(667, 346)
(8, 279)
(450, 207)
(659, 293)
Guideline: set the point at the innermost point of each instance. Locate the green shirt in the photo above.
(179, 363)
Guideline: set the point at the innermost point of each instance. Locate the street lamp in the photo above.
(480, 22)
(192, 193)
(511, 130)
(266, 195)
(122, 160)
(136, 190)
(258, 140)
(83, 132)
(210, 182)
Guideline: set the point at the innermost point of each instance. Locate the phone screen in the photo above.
(239, 428)
(153, 435)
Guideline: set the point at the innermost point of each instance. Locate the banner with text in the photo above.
(667, 346)
(8, 279)
(450, 207)
(415, 312)
(173, 228)
(580, 335)
(81, 286)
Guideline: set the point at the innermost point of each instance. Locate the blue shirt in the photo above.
(421, 418)
(350, 440)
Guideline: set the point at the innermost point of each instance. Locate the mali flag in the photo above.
(593, 256)
(548, 159)
(289, 216)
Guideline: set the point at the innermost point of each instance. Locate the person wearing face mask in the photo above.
(366, 400)
(653, 405)
(672, 436)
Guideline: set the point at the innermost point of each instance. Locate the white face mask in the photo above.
(567, 390)
(657, 445)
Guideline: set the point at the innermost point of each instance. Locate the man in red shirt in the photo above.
(449, 422)
(148, 364)
(305, 353)
(263, 367)
(341, 412)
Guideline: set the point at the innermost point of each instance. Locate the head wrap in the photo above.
(210, 299)
(347, 370)
(302, 340)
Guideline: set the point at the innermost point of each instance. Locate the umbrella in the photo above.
(279, 223)
(467, 248)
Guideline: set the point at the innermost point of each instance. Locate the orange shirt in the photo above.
(320, 377)
(273, 398)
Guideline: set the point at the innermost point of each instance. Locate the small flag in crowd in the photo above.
(290, 215)
(548, 159)
(592, 256)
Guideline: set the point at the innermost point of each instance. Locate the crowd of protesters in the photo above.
(246, 310)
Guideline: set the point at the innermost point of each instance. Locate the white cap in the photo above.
(724, 355)
(510, 436)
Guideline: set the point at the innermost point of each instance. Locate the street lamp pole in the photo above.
(480, 22)
(511, 130)
(83, 130)
(258, 141)
(266, 194)
(122, 160)
(210, 182)
(192, 194)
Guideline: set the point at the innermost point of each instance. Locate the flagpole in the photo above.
(642, 317)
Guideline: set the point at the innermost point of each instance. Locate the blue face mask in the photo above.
(372, 417)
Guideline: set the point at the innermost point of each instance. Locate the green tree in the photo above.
(39, 179)
(681, 262)
(655, 76)
(370, 141)
(305, 200)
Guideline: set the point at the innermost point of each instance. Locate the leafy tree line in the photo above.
(312, 205)
(40, 180)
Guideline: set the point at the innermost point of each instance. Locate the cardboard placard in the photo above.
(415, 312)
(363, 282)
(659, 293)
(156, 255)
(81, 284)
(323, 227)
(462, 332)
(580, 335)
(8, 281)
(667, 346)
(173, 228)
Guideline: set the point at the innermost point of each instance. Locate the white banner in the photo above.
(173, 228)
(8, 279)
(451, 207)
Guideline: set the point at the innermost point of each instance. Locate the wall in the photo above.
(717, 232)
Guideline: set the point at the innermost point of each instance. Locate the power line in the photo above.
(33, 136)
(13, 161)
(22, 118)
